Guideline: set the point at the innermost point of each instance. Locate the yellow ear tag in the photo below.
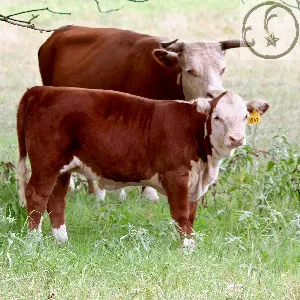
(254, 118)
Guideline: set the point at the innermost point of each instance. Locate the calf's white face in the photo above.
(228, 121)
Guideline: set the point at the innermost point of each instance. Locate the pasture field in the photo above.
(247, 240)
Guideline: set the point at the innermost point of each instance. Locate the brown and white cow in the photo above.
(124, 140)
(135, 63)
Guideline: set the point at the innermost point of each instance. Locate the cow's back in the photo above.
(107, 58)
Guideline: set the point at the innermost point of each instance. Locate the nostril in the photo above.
(236, 141)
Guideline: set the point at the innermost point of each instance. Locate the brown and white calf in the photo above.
(125, 140)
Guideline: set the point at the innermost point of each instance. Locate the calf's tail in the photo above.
(22, 171)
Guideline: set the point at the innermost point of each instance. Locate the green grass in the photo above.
(248, 242)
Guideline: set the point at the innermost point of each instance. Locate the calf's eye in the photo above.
(191, 72)
(216, 118)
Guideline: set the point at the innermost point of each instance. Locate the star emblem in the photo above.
(272, 40)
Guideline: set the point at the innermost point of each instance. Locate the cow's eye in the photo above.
(246, 116)
(191, 72)
(216, 118)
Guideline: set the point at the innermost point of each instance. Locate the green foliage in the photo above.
(271, 178)
(8, 193)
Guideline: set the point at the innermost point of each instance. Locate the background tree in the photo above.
(14, 18)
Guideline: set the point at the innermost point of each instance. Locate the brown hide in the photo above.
(119, 136)
(107, 58)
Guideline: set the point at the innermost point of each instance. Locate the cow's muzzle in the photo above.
(236, 141)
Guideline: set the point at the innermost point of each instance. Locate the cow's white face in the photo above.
(202, 65)
(228, 121)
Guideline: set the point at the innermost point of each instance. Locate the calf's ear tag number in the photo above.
(254, 118)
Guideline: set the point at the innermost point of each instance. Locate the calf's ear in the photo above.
(165, 58)
(203, 106)
(260, 106)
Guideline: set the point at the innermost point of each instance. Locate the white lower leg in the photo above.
(72, 183)
(100, 194)
(188, 243)
(60, 234)
(150, 193)
(39, 229)
(122, 195)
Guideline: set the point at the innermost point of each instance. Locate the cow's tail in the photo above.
(22, 171)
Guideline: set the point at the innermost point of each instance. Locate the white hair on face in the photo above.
(202, 65)
(229, 120)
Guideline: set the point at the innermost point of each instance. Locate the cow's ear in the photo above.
(203, 106)
(165, 58)
(260, 106)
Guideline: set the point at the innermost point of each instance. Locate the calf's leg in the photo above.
(56, 208)
(37, 192)
(176, 187)
(190, 243)
(91, 187)
(192, 215)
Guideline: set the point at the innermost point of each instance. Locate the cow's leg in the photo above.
(56, 208)
(37, 193)
(72, 184)
(122, 194)
(176, 187)
(203, 200)
(100, 193)
(150, 193)
(91, 187)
